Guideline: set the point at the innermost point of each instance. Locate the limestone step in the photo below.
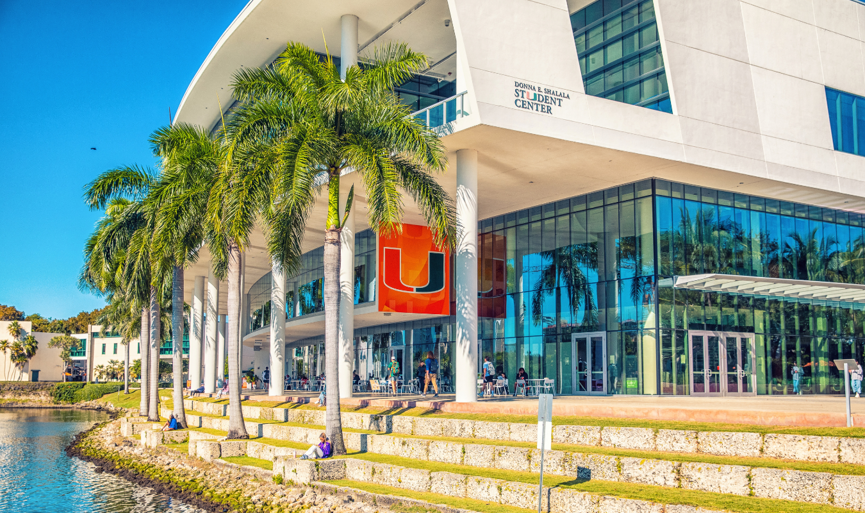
(721, 443)
(496, 491)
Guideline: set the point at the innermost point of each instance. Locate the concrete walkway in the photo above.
(800, 411)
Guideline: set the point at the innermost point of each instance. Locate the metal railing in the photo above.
(439, 115)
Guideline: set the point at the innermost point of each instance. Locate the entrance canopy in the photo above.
(772, 287)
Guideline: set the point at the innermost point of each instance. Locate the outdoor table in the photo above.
(534, 386)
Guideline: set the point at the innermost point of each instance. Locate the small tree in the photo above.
(66, 343)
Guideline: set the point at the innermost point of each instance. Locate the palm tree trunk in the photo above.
(153, 410)
(177, 350)
(333, 420)
(144, 354)
(236, 425)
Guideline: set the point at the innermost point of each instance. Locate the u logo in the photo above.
(393, 272)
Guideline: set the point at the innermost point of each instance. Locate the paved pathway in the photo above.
(815, 411)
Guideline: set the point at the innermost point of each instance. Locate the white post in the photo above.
(195, 332)
(348, 45)
(348, 58)
(220, 348)
(210, 333)
(467, 277)
(277, 330)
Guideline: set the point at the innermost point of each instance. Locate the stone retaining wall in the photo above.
(819, 487)
(506, 493)
(755, 445)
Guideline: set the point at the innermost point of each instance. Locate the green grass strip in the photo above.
(250, 462)
(434, 498)
(182, 447)
(658, 494)
(847, 469)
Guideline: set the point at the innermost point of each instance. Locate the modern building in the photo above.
(45, 364)
(655, 196)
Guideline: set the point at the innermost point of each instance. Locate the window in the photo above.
(103, 348)
(620, 53)
(139, 348)
(847, 119)
(115, 348)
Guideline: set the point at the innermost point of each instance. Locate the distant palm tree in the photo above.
(306, 127)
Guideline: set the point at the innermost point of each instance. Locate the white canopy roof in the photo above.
(772, 287)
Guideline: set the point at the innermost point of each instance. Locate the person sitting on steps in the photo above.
(171, 424)
(320, 451)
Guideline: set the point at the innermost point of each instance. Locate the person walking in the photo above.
(489, 376)
(265, 378)
(420, 374)
(797, 372)
(432, 371)
(856, 378)
(393, 372)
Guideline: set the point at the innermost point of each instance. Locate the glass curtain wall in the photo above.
(707, 231)
(579, 265)
(304, 291)
(620, 53)
(602, 263)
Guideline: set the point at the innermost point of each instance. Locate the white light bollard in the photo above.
(545, 437)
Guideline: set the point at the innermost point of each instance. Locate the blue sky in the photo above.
(78, 75)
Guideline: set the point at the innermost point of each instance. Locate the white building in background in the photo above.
(46, 361)
(638, 182)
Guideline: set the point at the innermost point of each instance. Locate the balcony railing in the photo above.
(439, 116)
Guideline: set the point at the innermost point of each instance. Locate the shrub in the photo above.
(93, 391)
(65, 392)
(277, 478)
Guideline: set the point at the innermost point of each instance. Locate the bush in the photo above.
(93, 391)
(65, 392)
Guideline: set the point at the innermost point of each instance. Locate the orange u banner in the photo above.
(413, 273)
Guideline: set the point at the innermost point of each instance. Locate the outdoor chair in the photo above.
(480, 386)
(374, 387)
(501, 387)
(549, 386)
(520, 385)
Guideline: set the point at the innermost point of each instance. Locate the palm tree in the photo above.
(14, 330)
(5, 346)
(108, 252)
(190, 163)
(305, 126)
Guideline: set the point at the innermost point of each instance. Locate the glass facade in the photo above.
(847, 119)
(620, 53)
(80, 351)
(304, 291)
(580, 291)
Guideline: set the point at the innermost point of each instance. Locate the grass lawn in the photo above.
(182, 447)
(833, 468)
(252, 462)
(133, 399)
(660, 494)
(434, 498)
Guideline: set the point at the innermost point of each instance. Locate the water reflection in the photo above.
(37, 476)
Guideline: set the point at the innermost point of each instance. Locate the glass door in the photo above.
(722, 363)
(589, 352)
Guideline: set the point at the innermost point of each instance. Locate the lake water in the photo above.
(37, 476)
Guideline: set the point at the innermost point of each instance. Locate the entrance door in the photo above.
(722, 363)
(589, 352)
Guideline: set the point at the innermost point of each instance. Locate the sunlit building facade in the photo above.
(652, 199)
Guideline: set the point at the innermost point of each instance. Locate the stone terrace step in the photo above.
(794, 485)
(506, 493)
(752, 445)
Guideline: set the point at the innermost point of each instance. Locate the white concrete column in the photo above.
(220, 348)
(348, 44)
(210, 342)
(467, 277)
(196, 330)
(277, 330)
